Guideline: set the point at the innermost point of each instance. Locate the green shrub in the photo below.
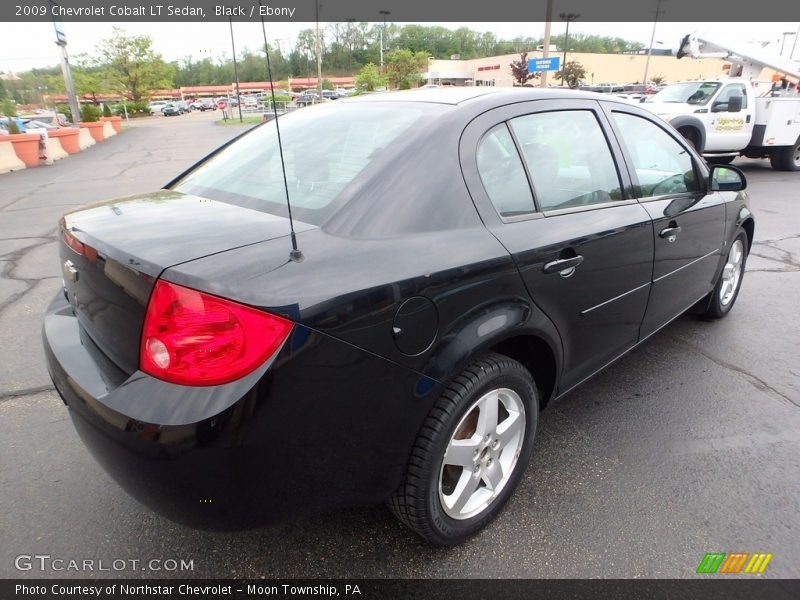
(12, 126)
(106, 110)
(90, 113)
(8, 108)
(138, 109)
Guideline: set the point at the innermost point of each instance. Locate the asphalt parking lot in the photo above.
(690, 444)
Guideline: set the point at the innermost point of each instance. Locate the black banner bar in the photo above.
(716, 588)
(400, 11)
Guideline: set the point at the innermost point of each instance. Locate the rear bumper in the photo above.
(324, 425)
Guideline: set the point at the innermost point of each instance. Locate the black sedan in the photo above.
(464, 257)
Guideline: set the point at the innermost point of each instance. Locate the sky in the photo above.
(27, 45)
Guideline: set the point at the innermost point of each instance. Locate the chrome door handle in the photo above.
(562, 264)
(670, 232)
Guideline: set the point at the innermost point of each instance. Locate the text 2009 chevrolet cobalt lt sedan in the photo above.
(466, 257)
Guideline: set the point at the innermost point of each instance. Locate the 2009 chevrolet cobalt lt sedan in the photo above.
(464, 258)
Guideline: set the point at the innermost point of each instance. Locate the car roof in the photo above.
(463, 95)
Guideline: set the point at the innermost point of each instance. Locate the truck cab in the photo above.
(716, 115)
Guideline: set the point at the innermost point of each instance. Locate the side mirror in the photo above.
(726, 178)
(735, 103)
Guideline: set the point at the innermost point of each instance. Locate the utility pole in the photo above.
(236, 73)
(650, 47)
(568, 17)
(783, 42)
(384, 13)
(794, 44)
(318, 44)
(546, 52)
(61, 42)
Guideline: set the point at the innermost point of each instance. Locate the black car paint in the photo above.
(331, 420)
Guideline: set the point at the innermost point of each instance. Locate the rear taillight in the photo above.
(72, 242)
(193, 338)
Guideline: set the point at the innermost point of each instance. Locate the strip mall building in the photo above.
(600, 68)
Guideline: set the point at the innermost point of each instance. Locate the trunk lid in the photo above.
(123, 246)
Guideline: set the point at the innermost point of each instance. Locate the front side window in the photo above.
(734, 89)
(662, 165)
(568, 158)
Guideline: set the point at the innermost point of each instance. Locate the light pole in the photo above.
(650, 48)
(236, 72)
(568, 17)
(383, 13)
(546, 50)
(319, 57)
(61, 42)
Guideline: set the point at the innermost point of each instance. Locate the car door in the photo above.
(726, 127)
(545, 178)
(688, 221)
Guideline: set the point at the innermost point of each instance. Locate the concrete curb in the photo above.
(85, 139)
(108, 129)
(55, 151)
(8, 158)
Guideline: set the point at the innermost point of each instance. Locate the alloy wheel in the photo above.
(482, 454)
(732, 273)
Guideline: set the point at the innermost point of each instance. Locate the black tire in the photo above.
(718, 304)
(787, 158)
(691, 136)
(418, 500)
(719, 160)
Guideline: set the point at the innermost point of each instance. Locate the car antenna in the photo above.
(295, 254)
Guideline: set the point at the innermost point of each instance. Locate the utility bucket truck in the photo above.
(737, 115)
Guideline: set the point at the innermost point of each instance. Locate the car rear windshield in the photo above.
(325, 149)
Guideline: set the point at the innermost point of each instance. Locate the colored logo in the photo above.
(734, 562)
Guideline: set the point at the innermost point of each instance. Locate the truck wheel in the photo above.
(787, 158)
(691, 136)
(719, 160)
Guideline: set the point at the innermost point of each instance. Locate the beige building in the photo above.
(600, 68)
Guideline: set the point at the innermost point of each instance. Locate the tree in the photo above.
(368, 78)
(404, 67)
(326, 84)
(136, 70)
(91, 83)
(2, 89)
(572, 73)
(657, 79)
(519, 69)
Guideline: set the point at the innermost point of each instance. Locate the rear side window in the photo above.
(503, 175)
(568, 158)
(324, 149)
(662, 165)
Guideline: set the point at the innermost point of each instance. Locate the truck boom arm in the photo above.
(746, 63)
